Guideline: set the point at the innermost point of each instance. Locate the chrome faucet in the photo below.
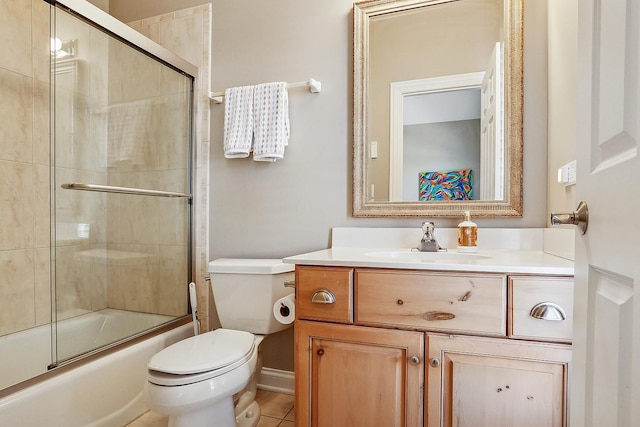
(428, 242)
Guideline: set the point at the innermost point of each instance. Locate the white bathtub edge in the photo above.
(101, 393)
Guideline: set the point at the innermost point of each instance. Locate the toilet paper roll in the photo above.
(284, 310)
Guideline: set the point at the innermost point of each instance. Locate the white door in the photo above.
(605, 386)
(491, 129)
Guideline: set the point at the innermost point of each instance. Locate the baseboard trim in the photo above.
(276, 380)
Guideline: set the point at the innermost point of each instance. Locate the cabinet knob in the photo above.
(414, 360)
(323, 296)
(434, 362)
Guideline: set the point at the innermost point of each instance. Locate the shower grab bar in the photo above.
(124, 190)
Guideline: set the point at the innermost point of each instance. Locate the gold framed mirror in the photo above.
(438, 108)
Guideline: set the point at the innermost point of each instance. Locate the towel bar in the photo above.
(314, 87)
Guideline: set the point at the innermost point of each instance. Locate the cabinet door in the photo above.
(355, 376)
(498, 383)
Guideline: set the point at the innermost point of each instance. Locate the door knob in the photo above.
(579, 217)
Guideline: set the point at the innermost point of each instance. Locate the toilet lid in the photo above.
(203, 353)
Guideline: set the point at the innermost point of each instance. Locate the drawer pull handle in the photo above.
(323, 296)
(434, 362)
(414, 360)
(437, 315)
(548, 311)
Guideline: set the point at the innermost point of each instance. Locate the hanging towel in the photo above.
(271, 128)
(128, 130)
(238, 121)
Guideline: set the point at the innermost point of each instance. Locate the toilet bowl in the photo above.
(194, 380)
(210, 379)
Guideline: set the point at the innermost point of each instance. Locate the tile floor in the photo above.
(276, 408)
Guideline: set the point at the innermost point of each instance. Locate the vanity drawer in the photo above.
(550, 296)
(461, 302)
(324, 293)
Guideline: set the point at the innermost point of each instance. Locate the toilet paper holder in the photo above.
(290, 284)
(284, 310)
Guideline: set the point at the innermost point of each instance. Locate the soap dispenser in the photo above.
(467, 234)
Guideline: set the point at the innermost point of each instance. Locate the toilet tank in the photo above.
(244, 291)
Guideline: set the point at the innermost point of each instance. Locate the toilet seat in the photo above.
(201, 357)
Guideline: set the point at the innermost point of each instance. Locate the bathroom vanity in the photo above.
(399, 338)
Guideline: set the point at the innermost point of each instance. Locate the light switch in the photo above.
(567, 174)
(374, 149)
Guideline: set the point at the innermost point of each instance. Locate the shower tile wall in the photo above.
(187, 33)
(25, 177)
(24, 165)
(121, 120)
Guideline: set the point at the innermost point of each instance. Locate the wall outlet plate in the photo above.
(567, 174)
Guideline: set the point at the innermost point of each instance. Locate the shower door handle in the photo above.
(579, 218)
(123, 190)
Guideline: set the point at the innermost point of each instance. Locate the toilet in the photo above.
(211, 379)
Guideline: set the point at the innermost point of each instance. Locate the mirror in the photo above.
(438, 108)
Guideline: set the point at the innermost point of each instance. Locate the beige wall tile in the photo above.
(16, 205)
(42, 206)
(41, 117)
(16, 286)
(42, 287)
(41, 48)
(184, 35)
(133, 277)
(172, 127)
(15, 33)
(16, 116)
(172, 290)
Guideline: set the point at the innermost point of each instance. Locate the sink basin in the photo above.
(430, 257)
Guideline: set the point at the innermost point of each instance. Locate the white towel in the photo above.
(128, 127)
(238, 121)
(271, 128)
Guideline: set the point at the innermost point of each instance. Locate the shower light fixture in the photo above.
(60, 49)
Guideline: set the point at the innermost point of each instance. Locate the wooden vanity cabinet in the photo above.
(358, 377)
(475, 381)
(422, 348)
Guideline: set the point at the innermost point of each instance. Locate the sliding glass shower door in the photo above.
(121, 188)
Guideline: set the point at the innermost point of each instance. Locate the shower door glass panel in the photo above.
(121, 118)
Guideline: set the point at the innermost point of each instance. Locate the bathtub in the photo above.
(105, 392)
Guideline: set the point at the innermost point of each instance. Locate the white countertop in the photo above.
(493, 261)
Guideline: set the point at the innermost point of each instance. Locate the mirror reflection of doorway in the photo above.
(448, 124)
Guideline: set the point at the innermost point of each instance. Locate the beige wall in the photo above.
(289, 207)
(133, 10)
(563, 40)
